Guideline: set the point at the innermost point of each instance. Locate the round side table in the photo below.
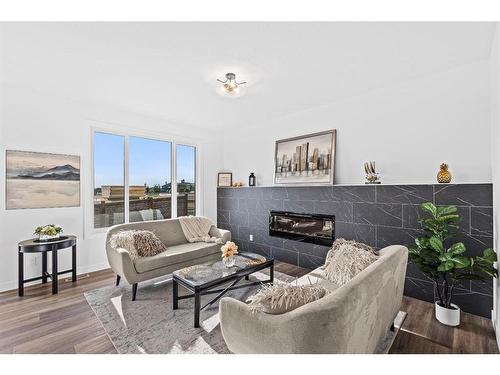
(43, 247)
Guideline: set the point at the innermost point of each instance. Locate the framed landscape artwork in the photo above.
(41, 180)
(308, 159)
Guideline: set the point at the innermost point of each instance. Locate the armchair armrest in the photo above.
(250, 332)
(297, 331)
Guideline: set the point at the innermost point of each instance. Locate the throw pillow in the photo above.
(340, 242)
(346, 262)
(281, 298)
(139, 243)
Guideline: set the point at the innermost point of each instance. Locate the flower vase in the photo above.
(228, 261)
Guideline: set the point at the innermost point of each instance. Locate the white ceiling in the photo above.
(169, 70)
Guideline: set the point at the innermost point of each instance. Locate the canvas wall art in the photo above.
(41, 180)
(308, 159)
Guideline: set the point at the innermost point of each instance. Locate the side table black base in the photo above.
(31, 246)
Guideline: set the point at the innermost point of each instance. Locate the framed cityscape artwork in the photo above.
(41, 180)
(308, 159)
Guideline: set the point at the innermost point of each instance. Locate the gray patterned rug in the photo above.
(149, 325)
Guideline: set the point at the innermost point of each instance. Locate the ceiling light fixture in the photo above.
(230, 87)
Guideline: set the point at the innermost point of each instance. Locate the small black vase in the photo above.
(251, 179)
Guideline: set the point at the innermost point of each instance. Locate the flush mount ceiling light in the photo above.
(230, 87)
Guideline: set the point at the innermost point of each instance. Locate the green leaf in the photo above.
(461, 262)
(444, 257)
(429, 255)
(449, 218)
(446, 266)
(422, 242)
(429, 207)
(447, 210)
(436, 244)
(490, 254)
(457, 248)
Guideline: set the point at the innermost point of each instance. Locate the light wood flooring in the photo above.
(42, 323)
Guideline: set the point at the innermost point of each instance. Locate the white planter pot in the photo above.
(449, 317)
(46, 237)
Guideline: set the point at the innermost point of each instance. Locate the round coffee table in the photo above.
(43, 247)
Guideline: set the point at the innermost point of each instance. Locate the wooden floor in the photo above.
(65, 323)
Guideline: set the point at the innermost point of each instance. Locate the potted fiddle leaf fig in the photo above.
(443, 260)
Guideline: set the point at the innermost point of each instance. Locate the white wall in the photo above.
(38, 122)
(495, 162)
(408, 129)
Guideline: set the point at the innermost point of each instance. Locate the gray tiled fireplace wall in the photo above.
(377, 215)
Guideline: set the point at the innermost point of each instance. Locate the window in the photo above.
(150, 179)
(186, 180)
(109, 180)
(143, 169)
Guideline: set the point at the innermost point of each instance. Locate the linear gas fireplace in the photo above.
(317, 229)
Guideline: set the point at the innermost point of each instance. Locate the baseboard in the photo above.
(11, 285)
(495, 327)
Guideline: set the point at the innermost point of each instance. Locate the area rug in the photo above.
(150, 325)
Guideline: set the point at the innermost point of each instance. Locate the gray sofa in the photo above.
(180, 253)
(353, 318)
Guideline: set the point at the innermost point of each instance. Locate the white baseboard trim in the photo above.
(496, 327)
(11, 285)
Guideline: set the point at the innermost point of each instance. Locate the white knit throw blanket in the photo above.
(197, 228)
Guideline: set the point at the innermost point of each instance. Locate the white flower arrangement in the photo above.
(229, 249)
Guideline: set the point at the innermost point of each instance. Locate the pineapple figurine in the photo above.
(444, 175)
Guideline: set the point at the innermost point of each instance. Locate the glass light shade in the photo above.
(231, 86)
(229, 90)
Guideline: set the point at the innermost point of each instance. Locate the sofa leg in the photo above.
(134, 291)
(118, 280)
(392, 328)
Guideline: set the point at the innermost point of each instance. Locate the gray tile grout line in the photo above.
(466, 290)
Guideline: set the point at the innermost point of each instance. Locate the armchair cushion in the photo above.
(341, 243)
(346, 262)
(280, 298)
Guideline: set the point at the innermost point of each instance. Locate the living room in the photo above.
(249, 188)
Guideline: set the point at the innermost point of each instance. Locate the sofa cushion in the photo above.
(317, 277)
(176, 254)
(139, 243)
(169, 231)
(342, 242)
(280, 298)
(347, 262)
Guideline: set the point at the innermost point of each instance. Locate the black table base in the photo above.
(199, 291)
(33, 246)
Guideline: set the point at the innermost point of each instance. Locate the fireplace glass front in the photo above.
(317, 229)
